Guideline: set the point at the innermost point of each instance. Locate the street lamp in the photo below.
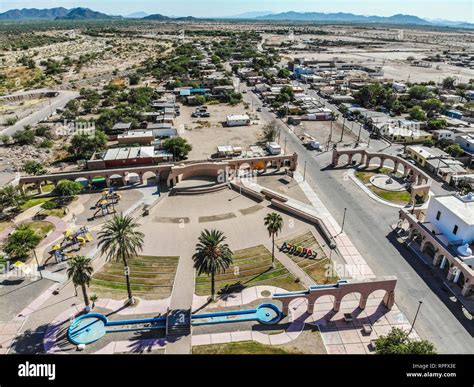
(304, 171)
(37, 264)
(343, 220)
(416, 315)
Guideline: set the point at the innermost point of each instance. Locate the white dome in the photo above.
(465, 250)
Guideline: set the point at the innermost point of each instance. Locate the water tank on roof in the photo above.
(465, 250)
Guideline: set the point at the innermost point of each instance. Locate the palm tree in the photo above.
(119, 240)
(80, 270)
(274, 223)
(212, 255)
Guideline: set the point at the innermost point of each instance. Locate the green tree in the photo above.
(454, 150)
(178, 147)
(417, 113)
(397, 342)
(120, 240)
(448, 83)
(84, 145)
(432, 105)
(284, 73)
(80, 271)
(438, 123)
(270, 132)
(11, 197)
(68, 188)
(33, 167)
(21, 242)
(274, 224)
(419, 92)
(212, 255)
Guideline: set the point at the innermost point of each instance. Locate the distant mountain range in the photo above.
(33, 13)
(340, 17)
(84, 14)
(136, 15)
(160, 17)
(249, 15)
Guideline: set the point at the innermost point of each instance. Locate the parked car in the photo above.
(200, 114)
(259, 109)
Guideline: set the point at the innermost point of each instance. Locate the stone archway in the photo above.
(428, 248)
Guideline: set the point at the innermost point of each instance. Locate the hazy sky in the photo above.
(432, 9)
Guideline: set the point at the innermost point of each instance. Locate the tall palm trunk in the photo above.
(213, 290)
(273, 250)
(84, 293)
(127, 280)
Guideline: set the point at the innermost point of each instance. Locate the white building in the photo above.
(453, 216)
(238, 120)
(443, 134)
(466, 142)
(399, 87)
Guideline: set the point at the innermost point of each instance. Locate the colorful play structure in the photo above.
(72, 241)
(106, 204)
(89, 328)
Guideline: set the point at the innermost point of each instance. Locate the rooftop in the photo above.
(461, 206)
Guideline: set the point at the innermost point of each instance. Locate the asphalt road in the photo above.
(55, 103)
(368, 224)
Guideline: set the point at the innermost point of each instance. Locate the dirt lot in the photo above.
(205, 134)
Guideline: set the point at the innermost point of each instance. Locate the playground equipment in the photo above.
(72, 239)
(91, 327)
(106, 204)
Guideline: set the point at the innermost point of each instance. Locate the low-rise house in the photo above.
(421, 154)
(443, 134)
(399, 87)
(445, 167)
(141, 137)
(128, 156)
(120, 127)
(466, 143)
(338, 99)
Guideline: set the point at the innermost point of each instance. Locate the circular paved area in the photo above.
(388, 183)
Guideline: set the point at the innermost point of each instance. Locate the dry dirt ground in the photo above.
(205, 134)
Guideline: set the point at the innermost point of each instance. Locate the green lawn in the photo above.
(400, 197)
(251, 267)
(315, 268)
(41, 227)
(34, 202)
(151, 278)
(242, 348)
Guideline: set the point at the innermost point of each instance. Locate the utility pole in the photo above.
(416, 315)
(343, 126)
(330, 132)
(360, 130)
(343, 220)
